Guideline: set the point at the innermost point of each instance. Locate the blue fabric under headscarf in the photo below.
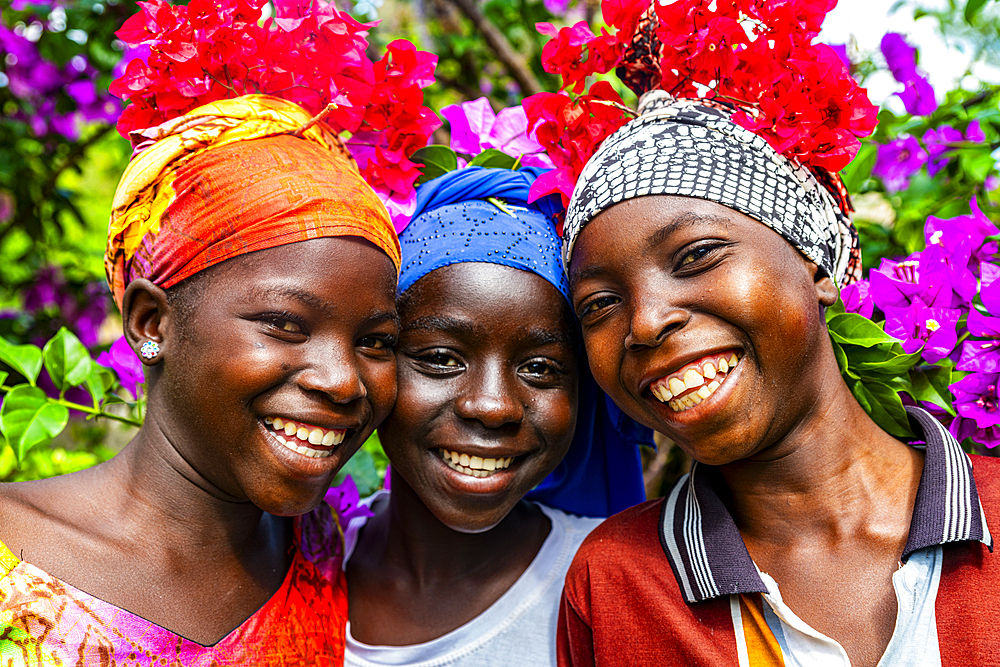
(453, 223)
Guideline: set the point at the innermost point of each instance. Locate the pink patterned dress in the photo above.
(47, 622)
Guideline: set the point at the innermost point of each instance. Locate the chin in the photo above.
(291, 504)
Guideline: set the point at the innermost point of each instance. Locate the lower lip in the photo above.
(707, 407)
(498, 482)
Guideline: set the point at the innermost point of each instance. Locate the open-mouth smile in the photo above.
(305, 439)
(694, 382)
(474, 466)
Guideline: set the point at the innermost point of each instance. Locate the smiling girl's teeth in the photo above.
(699, 376)
(298, 437)
(474, 466)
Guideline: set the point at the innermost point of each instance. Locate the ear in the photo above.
(826, 289)
(145, 317)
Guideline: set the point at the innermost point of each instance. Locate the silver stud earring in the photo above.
(149, 349)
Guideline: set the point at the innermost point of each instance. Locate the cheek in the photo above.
(555, 417)
(605, 348)
(379, 379)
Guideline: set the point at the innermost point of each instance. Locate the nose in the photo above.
(335, 373)
(653, 319)
(491, 397)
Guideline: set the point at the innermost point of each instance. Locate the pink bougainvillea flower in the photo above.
(897, 161)
(126, 365)
(475, 128)
(858, 299)
(916, 325)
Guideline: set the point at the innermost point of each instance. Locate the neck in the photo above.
(834, 473)
(407, 536)
(156, 491)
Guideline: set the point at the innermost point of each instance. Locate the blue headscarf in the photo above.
(453, 223)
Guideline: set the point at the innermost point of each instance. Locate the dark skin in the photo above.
(487, 367)
(189, 526)
(821, 495)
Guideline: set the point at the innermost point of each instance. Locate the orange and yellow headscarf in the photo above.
(230, 178)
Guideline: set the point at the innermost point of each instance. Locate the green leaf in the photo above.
(860, 168)
(930, 383)
(884, 360)
(28, 418)
(842, 363)
(66, 360)
(3, 376)
(854, 329)
(884, 406)
(436, 161)
(25, 359)
(835, 309)
(494, 159)
(972, 8)
(99, 381)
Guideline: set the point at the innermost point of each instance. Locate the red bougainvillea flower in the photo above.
(758, 55)
(310, 53)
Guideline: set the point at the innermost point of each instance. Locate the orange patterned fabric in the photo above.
(230, 178)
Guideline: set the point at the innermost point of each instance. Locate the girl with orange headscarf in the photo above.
(256, 271)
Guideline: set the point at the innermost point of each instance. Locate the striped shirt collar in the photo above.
(709, 558)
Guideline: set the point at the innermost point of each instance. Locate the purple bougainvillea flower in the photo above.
(964, 234)
(557, 7)
(918, 326)
(897, 161)
(974, 132)
(976, 398)
(992, 183)
(47, 289)
(475, 128)
(917, 95)
(858, 299)
(963, 428)
(899, 56)
(345, 501)
(938, 148)
(982, 356)
(989, 290)
(124, 362)
(936, 278)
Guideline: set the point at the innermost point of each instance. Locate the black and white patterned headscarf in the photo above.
(691, 148)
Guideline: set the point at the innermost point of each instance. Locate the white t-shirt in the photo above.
(518, 629)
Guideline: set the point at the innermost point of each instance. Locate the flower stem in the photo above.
(95, 412)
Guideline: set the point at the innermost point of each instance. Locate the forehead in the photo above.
(330, 272)
(636, 227)
(490, 300)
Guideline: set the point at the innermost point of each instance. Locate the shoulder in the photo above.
(622, 548)
(986, 471)
(635, 531)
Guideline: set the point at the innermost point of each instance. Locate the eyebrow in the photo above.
(258, 293)
(660, 236)
(443, 323)
(535, 336)
(686, 219)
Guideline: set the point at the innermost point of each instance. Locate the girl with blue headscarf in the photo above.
(495, 405)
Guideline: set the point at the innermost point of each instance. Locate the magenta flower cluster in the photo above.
(54, 99)
(917, 95)
(50, 296)
(929, 302)
(904, 156)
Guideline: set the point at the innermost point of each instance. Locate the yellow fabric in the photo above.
(763, 649)
(8, 561)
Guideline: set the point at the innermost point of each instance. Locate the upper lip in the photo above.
(677, 364)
